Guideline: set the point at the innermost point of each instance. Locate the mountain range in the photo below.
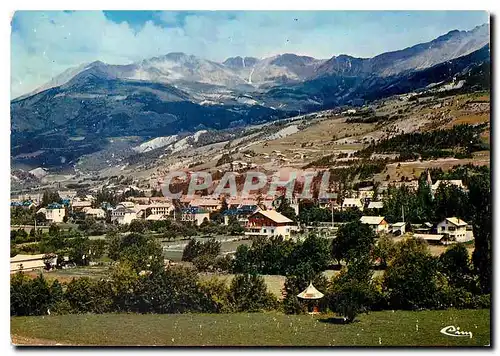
(78, 111)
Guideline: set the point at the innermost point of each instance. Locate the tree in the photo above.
(195, 248)
(141, 251)
(283, 207)
(451, 200)
(353, 239)
(384, 249)
(249, 293)
(411, 276)
(455, 264)
(313, 250)
(171, 290)
(50, 197)
(480, 202)
(352, 289)
(139, 226)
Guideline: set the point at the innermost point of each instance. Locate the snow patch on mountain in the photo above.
(155, 143)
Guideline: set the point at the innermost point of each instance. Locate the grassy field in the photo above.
(385, 328)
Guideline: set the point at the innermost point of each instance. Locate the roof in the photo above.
(82, 203)
(122, 209)
(93, 211)
(19, 258)
(310, 293)
(274, 216)
(371, 220)
(398, 224)
(456, 221)
(155, 217)
(432, 237)
(376, 205)
(352, 201)
(456, 182)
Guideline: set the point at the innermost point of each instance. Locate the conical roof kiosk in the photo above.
(312, 294)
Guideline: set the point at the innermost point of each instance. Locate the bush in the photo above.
(216, 296)
(411, 278)
(249, 293)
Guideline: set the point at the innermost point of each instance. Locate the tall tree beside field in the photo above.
(353, 239)
(411, 277)
(480, 203)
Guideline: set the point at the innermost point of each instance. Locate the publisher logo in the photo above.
(455, 332)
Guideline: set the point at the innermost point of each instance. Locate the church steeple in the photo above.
(429, 180)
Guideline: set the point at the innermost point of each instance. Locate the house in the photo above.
(210, 205)
(195, 215)
(123, 215)
(80, 205)
(156, 217)
(54, 213)
(398, 228)
(432, 239)
(376, 205)
(96, 213)
(352, 203)
(269, 223)
(240, 213)
(30, 262)
(377, 223)
(161, 208)
(126, 204)
(365, 193)
(455, 228)
(26, 204)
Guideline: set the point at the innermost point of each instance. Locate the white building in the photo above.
(122, 215)
(377, 223)
(398, 228)
(376, 205)
(161, 208)
(196, 216)
(96, 213)
(30, 262)
(53, 214)
(269, 223)
(455, 228)
(352, 203)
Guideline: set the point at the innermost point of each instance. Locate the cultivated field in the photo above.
(387, 328)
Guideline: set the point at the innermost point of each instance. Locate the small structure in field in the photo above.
(311, 293)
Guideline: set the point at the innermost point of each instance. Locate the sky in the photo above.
(45, 43)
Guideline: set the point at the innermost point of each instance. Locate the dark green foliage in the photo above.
(279, 256)
(411, 278)
(462, 139)
(248, 292)
(450, 200)
(139, 226)
(31, 296)
(283, 207)
(174, 290)
(480, 204)
(353, 240)
(50, 197)
(141, 251)
(195, 248)
(352, 291)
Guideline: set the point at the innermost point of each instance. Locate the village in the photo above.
(258, 216)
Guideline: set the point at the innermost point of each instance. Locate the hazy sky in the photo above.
(46, 43)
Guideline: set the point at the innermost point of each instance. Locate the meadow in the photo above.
(376, 329)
